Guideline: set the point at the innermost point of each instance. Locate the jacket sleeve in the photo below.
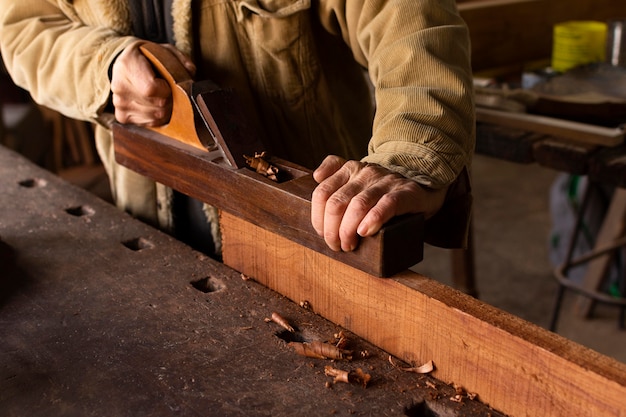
(418, 57)
(51, 53)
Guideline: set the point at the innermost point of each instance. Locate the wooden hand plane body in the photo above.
(202, 152)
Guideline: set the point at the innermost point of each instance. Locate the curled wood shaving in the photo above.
(355, 377)
(281, 321)
(259, 164)
(426, 368)
(341, 341)
(458, 398)
(339, 374)
(361, 377)
(462, 392)
(320, 350)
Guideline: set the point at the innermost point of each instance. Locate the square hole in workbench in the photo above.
(138, 244)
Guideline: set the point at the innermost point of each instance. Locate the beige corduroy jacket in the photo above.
(299, 67)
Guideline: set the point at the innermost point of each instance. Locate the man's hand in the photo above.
(139, 95)
(354, 199)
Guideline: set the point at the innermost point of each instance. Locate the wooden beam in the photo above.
(516, 367)
(282, 207)
(575, 131)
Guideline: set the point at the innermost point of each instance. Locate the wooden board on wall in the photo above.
(514, 366)
(508, 33)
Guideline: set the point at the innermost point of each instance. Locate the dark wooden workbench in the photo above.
(99, 315)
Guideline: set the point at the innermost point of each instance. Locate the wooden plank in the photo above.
(398, 246)
(513, 145)
(565, 129)
(516, 367)
(514, 32)
(563, 155)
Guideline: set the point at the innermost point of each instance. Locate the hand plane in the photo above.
(206, 150)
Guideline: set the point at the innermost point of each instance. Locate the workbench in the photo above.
(605, 165)
(101, 314)
(516, 367)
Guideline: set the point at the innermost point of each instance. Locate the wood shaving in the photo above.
(355, 377)
(281, 321)
(259, 164)
(431, 385)
(320, 350)
(426, 368)
(341, 341)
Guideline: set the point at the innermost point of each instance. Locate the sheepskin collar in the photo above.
(115, 14)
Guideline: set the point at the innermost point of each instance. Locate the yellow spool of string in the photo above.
(578, 43)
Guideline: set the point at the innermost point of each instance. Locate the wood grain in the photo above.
(281, 207)
(514, 366)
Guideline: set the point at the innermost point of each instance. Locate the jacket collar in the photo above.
(115, 14)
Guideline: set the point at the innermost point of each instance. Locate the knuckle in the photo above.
(122, 116)
(360, 203)
(391, 200)
(148, 89)
(322, 192)
(159, 115)
(346, 235)
(352, 165)
(376, 215)
(336, 204)
(115, 85)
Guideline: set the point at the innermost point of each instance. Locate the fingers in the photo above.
(183, 58)
(139, 95)
(399, 201)
(322, 192)
(327, 206)
(328, 167)
(354, 200)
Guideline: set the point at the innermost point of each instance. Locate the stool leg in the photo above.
(557, 308)
(570, 254)
(464, 268)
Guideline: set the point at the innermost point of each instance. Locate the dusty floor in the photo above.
(512, 225)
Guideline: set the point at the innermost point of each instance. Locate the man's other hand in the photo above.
(355, 199)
